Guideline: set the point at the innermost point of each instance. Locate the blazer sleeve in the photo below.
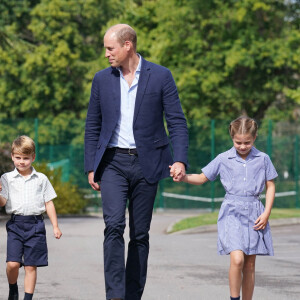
(92, 126)
(176, 122)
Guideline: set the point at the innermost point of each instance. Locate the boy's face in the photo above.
(23, 162)
(243, 144)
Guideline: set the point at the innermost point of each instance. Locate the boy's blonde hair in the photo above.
(243, 125)
(23, 145)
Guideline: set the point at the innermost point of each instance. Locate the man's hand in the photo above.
(95, 186)
(177, 171)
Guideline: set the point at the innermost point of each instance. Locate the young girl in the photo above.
(243, 229)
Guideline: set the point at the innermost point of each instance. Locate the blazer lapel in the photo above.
(116, 90)
(143, 80)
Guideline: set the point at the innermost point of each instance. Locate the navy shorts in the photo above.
(26, 240)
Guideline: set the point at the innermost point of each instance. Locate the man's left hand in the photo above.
(177, 171)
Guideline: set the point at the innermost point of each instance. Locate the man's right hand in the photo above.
(95, 186)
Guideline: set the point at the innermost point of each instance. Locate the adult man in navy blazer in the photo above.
(127, 152)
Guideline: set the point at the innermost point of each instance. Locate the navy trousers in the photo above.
(122, 180)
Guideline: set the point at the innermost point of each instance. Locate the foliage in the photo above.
(50, 80)
(69, 198)
(6, 163)
(227, 57)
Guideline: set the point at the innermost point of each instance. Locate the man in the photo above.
(127, 152)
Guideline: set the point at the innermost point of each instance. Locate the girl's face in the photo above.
(243, 144)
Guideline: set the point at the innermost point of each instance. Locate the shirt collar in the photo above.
(138, 68)
(16, 173)
(253, 152)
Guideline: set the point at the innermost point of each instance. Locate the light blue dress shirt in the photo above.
(123, 134)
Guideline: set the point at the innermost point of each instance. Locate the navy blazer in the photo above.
(156, 98)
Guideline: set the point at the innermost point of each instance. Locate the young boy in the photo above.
(26, 194)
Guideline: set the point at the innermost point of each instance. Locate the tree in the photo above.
(6, 164)
(228, 57)
(50, 79)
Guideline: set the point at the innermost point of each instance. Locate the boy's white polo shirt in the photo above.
(26, 196)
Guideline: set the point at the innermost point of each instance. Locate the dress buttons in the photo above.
(244, 165)
(244, 179)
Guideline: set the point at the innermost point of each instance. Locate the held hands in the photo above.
(177, 171)
(261, 222)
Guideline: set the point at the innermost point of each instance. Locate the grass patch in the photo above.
(201, 220)
(279, 213)
(211, 218)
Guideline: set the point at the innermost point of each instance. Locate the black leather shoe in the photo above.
(13, 297)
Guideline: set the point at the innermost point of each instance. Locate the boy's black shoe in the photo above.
(13, 292)
(13, 297)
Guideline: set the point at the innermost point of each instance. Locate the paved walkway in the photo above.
(181, 266)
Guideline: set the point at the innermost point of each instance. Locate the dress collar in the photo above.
(232, 153)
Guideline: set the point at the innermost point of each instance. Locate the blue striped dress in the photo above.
(243, 181)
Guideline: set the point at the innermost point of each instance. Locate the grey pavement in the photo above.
(181, 266)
